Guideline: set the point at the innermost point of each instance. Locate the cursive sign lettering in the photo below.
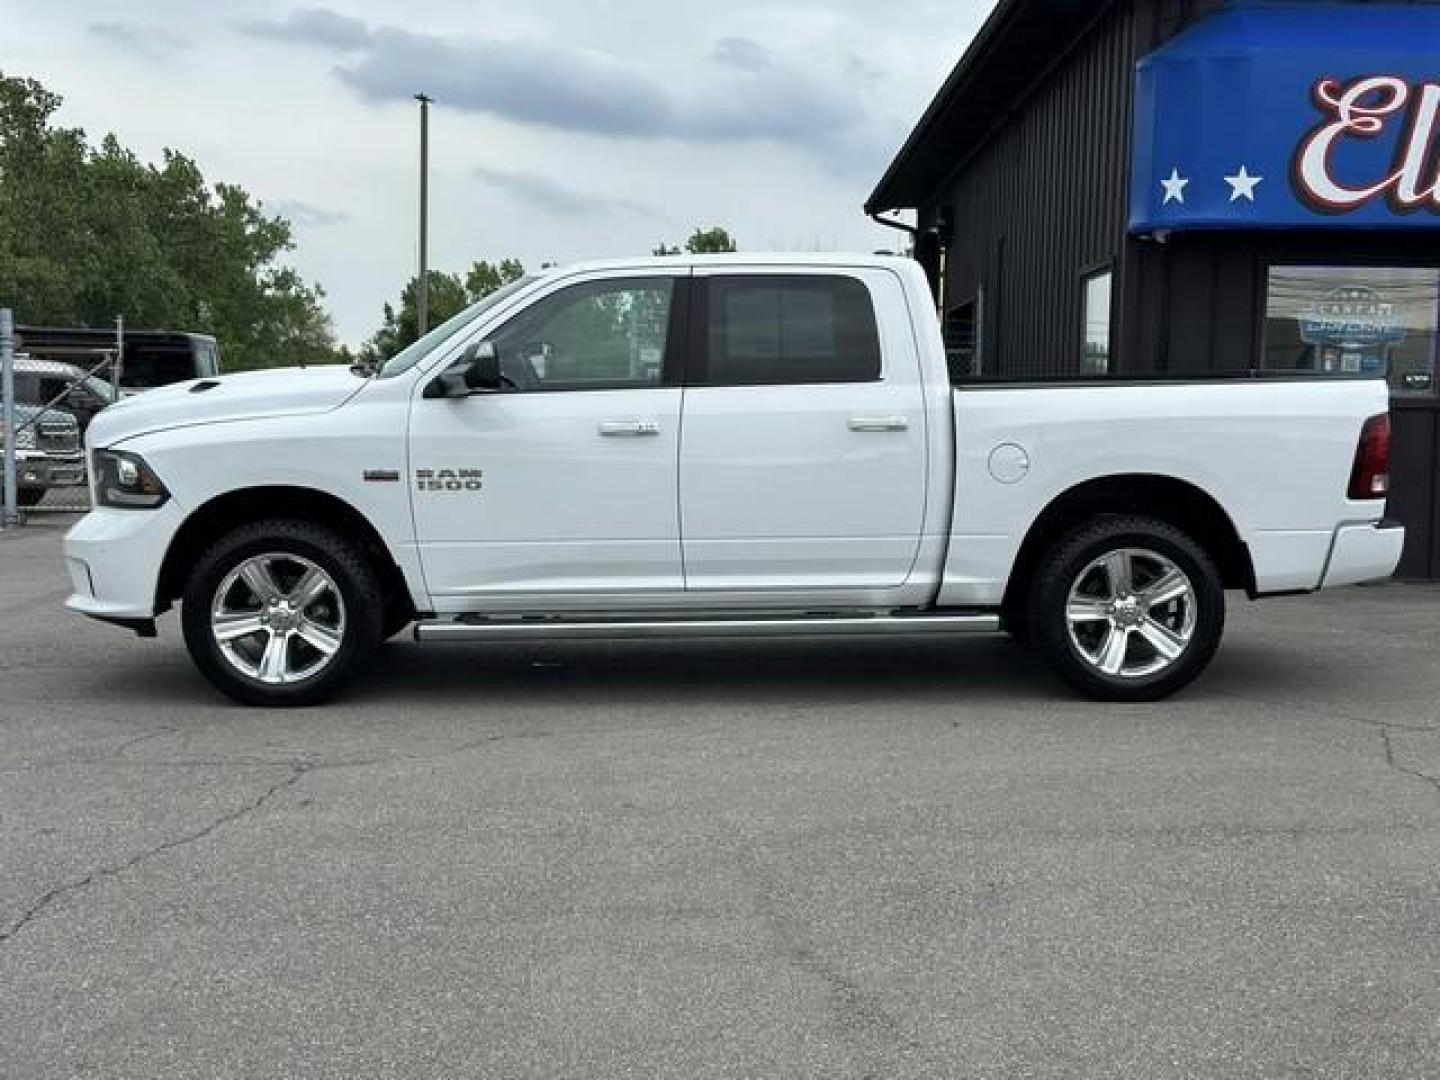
(1362, 109)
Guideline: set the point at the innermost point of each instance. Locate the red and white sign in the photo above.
(1370, 108)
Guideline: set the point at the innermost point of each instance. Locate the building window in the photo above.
(1354, 320)
(1095, 345)
(962, 342)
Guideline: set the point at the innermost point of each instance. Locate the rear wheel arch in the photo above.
(227, 512)
(1164, 498)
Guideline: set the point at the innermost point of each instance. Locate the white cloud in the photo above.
(305, 215)
(311, 26)
(147, 42)
(549, 196)
(561, 131)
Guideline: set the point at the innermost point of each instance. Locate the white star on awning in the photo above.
(1174, 188)
(1242, 185)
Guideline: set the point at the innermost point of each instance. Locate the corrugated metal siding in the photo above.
(1042, 202)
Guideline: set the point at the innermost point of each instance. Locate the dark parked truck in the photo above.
(151, 358)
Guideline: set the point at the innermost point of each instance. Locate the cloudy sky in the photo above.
(563, 129)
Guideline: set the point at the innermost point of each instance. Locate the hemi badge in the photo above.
(383, 475)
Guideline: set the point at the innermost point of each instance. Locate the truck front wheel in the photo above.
(281, 612)
(1127, 609)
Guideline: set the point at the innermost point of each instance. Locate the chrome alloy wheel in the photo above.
(1131, 613)
(278, 618)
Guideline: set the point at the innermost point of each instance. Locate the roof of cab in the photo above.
(742, 258)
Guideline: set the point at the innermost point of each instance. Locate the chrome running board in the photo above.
(558, 629)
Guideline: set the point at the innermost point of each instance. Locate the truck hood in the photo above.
(246, 396)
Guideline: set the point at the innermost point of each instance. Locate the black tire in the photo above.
(348, 568)
(1015, 622)
(29, 496)
(1073, 556)
(397, 617)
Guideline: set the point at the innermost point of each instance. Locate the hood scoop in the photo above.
(203, 385)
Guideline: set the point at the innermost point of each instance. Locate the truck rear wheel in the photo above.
(281, 613)
(1127, 609)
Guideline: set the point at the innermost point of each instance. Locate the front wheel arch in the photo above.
(227, 512)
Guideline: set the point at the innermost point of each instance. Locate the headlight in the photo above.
(124, 482)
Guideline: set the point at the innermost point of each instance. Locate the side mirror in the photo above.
(482, 367)
(476, 372)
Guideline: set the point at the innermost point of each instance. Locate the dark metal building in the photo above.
(1070, 184)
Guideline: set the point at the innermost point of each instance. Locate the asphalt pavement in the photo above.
(797, 859)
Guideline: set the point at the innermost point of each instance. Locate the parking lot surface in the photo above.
(721, 859)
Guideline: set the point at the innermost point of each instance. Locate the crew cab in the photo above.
(719, 446)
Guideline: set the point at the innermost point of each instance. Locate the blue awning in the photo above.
(1291, 115)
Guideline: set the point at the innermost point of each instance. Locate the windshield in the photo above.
(412, 354)
(146, 367)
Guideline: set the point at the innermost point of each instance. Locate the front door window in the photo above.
(602, 335)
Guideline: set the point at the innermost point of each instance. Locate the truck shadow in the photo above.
(718, 673)
(739, 674)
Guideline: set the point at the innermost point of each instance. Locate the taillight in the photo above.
(1370, 479)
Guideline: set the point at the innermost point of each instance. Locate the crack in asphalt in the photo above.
(875, 1031)
(310, 764)
(1386, 729)
(1383, 724)
(298, 768)
(1387, 740)
(136, 740)
(36, 909)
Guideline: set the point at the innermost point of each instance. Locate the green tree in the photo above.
(89, 233)
(449, 295)
(485, 277)
(711, 241)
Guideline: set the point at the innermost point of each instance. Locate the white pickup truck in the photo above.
(737, 445)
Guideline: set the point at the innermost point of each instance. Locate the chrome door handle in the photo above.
(621, 428)
(879, 423)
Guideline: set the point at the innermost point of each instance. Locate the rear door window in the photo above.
(778, 329)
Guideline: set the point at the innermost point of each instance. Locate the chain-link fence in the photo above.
(49, 396)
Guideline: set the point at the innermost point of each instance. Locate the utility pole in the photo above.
(422, 294)
(118, 368)
(9, 511)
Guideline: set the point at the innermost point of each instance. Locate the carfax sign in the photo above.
(1307, 115)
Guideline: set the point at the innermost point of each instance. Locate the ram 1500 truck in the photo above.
(737, 445)
(48, 453)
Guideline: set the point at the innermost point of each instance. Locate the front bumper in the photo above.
(114, 559)
(1363, 552)
(41, 470)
